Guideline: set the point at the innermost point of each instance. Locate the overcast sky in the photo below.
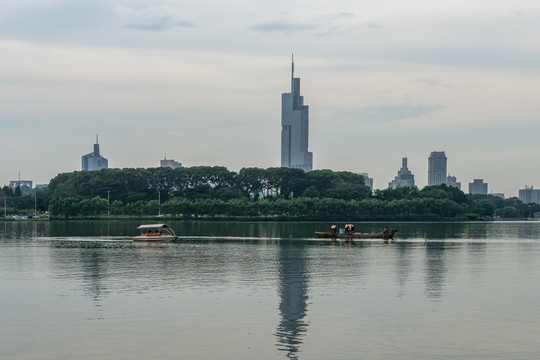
(200, 82)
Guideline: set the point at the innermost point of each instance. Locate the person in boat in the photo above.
(156, 233)
(333, 228)
(386, 231)
(349, 228)
(149, 233)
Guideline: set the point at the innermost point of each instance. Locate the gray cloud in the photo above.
(283, 27)
(435, 82)
(373, 25)
(155, 18)
(388, 113)
(321, 25)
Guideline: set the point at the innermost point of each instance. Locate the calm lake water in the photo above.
(84, 290)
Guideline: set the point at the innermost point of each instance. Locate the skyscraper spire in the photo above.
(292, 73)
(97, 142)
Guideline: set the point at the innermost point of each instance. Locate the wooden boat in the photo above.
(353, 235)
(155, 233)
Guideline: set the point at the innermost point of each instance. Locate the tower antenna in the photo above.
(292, 73)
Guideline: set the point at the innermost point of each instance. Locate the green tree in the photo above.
(117, 207)
(311, 192)
(153, 207)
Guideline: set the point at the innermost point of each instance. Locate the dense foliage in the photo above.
(255, 193)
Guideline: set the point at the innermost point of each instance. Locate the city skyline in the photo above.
(158, 77)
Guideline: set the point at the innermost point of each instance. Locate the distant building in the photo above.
(404, 177)
(295, 129)
(94, 161)
(478, 187)
(24, 185)
(501, 195)
(452, 181)
(529, 195)
(170, 163)
(368, 181)
(437, 168)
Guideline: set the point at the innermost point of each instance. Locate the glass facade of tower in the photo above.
(94, 161)
(295, 129)
(404, 177)
(437, 168)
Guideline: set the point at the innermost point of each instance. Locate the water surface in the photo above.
(269, 291)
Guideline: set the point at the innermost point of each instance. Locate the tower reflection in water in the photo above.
(293, 286)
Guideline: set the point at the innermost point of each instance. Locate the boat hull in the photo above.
(165, 238)
(329, 235)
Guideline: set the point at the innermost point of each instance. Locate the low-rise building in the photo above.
(479, 187)
(24, 185)
(170, 163)
(452, 181)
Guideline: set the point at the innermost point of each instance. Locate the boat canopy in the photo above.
(153, 226)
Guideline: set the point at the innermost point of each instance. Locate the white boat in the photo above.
(155, 232)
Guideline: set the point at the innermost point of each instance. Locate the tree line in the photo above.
(255, 193)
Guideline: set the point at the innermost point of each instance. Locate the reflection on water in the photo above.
(403, 266)
(435, 269)
(293, 287)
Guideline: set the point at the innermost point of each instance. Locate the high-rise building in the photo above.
(170, 163)
(437, 168)
(404, 177)
(479, 187)
(529, 195)
(94, 161)
(368, 181)
(295, 128)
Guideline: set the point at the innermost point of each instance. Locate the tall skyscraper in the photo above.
(404, 177)
(94, 161)
(437, 168)
(295, 128)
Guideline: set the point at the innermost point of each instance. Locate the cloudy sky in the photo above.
(200, 82)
